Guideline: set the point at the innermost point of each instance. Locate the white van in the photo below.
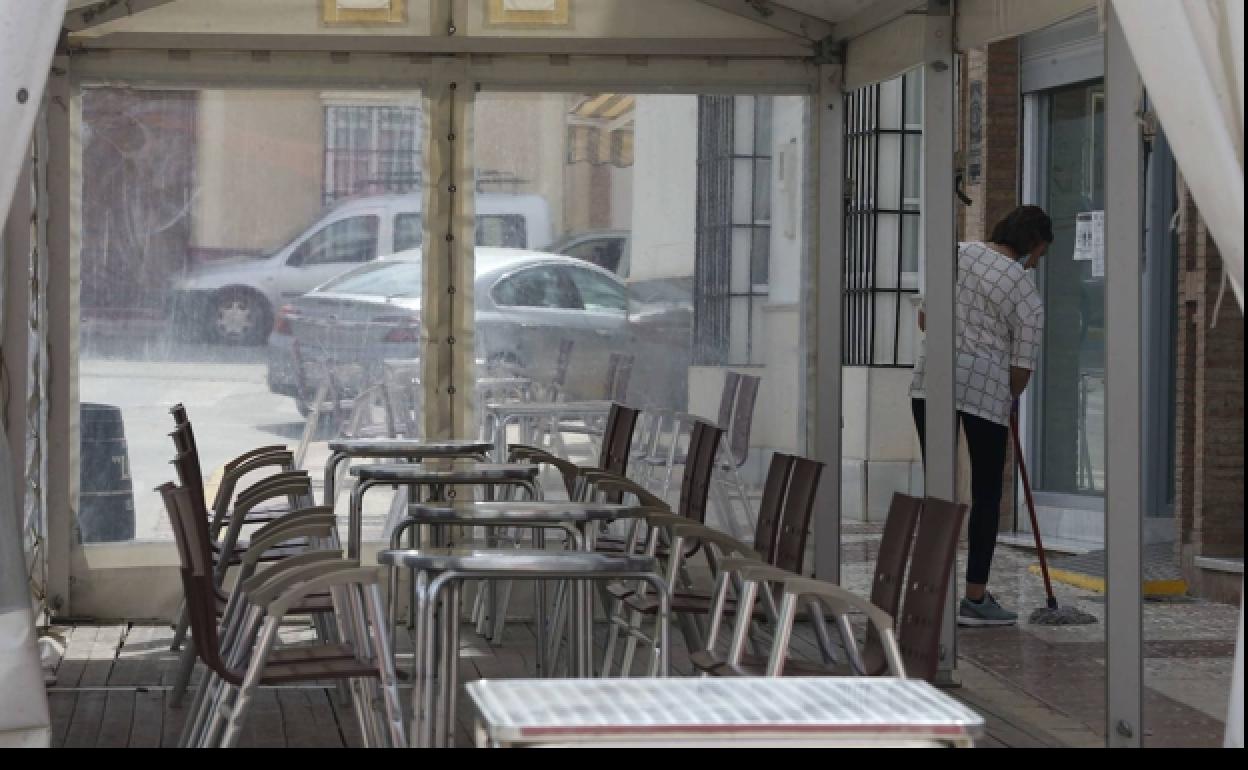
(235, 300)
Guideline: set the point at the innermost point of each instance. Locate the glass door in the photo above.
(1071, 388)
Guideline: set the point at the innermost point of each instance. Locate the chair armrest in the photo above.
(299, 561)
(279, 606)
(241, 466)
(269, 590)
(258, 451)
(691, 530)
(601, 481)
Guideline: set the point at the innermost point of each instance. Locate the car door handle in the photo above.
(603, 332)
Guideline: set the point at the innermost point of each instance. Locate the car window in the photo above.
(380, 279)
(498, 231)
(603, 252)
(536, 287)
(598, 292)
(507, 231)
(353, 239)
(408, 231)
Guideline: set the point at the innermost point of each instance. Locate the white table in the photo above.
(781, 711)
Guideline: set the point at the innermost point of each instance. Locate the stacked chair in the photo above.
(290, 566)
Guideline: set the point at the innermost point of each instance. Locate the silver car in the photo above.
(527, 302)
(235, 300)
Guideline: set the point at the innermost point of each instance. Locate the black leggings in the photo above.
(987, 441)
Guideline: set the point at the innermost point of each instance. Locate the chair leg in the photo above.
(750, 521)
(726, 517)
(180, 627)
(389, 677)
(502, 600)
(186, 666)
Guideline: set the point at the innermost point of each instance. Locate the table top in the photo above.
(403, 447)
(457, 471)
(518, 561)
(520, 408)
(730, 709)
(521, 511)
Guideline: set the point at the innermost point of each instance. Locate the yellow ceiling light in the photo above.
(363, 11)
(543, 13)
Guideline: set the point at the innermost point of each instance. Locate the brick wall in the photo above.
(995, 70)
(1209, 429)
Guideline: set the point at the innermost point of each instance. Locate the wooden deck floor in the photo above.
(113, 687)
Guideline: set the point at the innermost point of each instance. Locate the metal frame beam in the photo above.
(649, 74)
(758, 48)
(95, 14)
(1124, 454)
(828, 279)
(62, 325)
(775, 16)
(939, 121)
(875, 16)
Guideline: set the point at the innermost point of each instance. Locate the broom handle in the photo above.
(1031, 506)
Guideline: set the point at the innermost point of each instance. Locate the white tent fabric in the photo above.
(1191, 57)
(28, 33)
(893, 48)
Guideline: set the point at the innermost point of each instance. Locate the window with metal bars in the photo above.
(883, 247)
(371, 150)
(733, 227)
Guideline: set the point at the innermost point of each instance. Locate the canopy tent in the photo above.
(1197, 88)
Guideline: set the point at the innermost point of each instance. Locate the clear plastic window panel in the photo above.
(228, 257)
(680, 242)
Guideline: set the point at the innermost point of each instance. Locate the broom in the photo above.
(1051, 614)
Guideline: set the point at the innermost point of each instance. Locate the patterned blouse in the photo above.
(1000, 319)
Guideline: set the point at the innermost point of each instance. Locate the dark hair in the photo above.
(1022, 229)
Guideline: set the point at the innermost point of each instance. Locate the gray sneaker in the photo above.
(985, 613)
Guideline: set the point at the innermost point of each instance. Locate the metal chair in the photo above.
(251, 657)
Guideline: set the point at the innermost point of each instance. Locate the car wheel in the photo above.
(240, 318)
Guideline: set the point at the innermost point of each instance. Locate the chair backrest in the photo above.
(742, 418)
(727, 398)
(190, 530)
(563, 361)
(767, 530)
(927, 585)
(186, 462)
(619, 372)
(890, 571)
(695, 486)
(799, 505)
(617, 441)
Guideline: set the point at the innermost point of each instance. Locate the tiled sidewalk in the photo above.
(1053, 677)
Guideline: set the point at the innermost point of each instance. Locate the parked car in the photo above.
(608, 249)
(611, 250)
(526, 303)
(235, 301)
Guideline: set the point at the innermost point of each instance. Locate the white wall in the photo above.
(664, 186)
(879, 443)
(622, 198)
(260, 168)
(788, 221)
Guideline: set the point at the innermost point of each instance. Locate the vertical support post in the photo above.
(447, 366)
(941, 271)
(829, 276)
(15, 280)
(1123, 389)
(62, 323)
